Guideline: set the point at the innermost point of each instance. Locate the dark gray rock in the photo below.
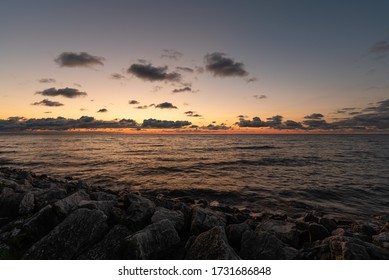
(48, 196)
(80, 230)
(14, 204)
(382, 239)
(110, 247)
(103, 196)
(259, 245)
(285, 231)
(317, 232)
(176, 217)
(139, 211)
(342, 232)
(234, 234)
(103, 205)
(310, 218)
(70, 203)
(153, 242)
(329, 224)
(204, 219)
(211, 245)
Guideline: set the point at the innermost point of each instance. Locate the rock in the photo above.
(204, 219)
(234, 234)
(48, 196)
(80, 230)
(176, 217)
(103, 205)
(5, 252)
(8, 183)
(70, 203)
(317, 232)
(103, 196)
(329, 224)
(310, 218)
(14, 204)
(6, 190)
(259, 245)
(211, 245)
(285, 231)
(342, 232)
(27, 204)
(152, 242)
(139, 211)
(110, 247)
(382, 240)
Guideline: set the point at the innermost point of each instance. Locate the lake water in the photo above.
(341, 174)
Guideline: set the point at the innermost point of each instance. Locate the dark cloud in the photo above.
(46, 80)
(133, 102)
(142, 107)
(150, 73)
(171, 54)
(289, 124)
(46, 102)
(317, 124)
(185, 69)
(255, 122)
(217, 127)
(222, 66)
(274, 122)
(192, 114)
(177, 90)
(83, 59)
(165, 105)
(65, 92)
(262, 96)
(153, 123)
(380, 47)
(117, 76)
(315, 116)
(102, 110)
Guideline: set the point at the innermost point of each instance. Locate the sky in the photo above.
(232, 66)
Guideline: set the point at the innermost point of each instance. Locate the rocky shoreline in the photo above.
(46, 218)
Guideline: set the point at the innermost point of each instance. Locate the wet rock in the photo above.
(139, 211)
(317, 232)
(110, 247)
(329, 224)
(48, 196)
(105, 206)
(176, 217)
(204, 219)
(234, 234)
(285, 231)
(382, 240)
(14, 204)
(70, 203)
(259, 245)
(153, 242)
(80, 230)
(211, 245)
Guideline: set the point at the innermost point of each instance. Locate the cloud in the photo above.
(47, 112)
(150, 73)
(65, 92)
(171, 54)
(380, 47)
(46, 102)
(177, 90)
(185, 69)
(83, 109)
(262, 96)
(46, 80)
(274, 122)
(222, 66)
(192, 114)
(102, 110)
(133, 102)
(165, 105)
(251, 80)
(117, 76)
(216, 127)
(255, 122)
(82, 59)
(142, 107)
(153, 123)
(317, 124)
(315, 116)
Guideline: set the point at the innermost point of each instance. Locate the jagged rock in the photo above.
(8, 183)
(317, 232)
(310, 218)
(152, 242)
(204, 219)
(139, 211)
(110, 247)
(176, 217)
(382, 239)
(103, 196)
(342, 232)
(211, 245)
(258, 245)
(80, 230)
(285, 231)
(48, 196)
(329, 224)
(104, 205)
(70, 203)
(234, 234)
(15, 204)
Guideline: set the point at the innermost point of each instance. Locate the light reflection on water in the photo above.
(334, 173)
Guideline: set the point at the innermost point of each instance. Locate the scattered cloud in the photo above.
(217, 127)
(46, 80)
(255, 122)
(381, 47)
(133, 102)
(117, 76)
(83, 109)
(102, 110)
(192, 114)
(185, 69)
(251, 80)
(141, 107)
(47, 112)
(82, 59)
(262, 96)
(46, 102)
(177, 90)
(171, 54)
(153, 123)
(222, 66)
(65, 92)
(165, 105)
(315, 116)
(151, 73)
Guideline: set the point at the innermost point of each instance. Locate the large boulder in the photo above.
(204, 219)
(139, 211)
(104, 205)
(153, 242)
(47, 196)
(211, 245)
(176, 217)
(259, 245)
(70, 203)
(15, 204)
(80, 230)
(234, 234)
(382, 239)
(285, 231)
